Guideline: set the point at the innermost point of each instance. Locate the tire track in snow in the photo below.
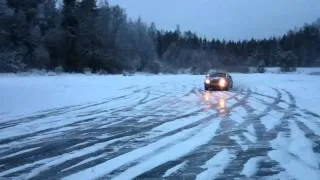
(91, 143)
(60, 111)
(6, 138)
(234, 169)
(129, 125)
(190, 126)
(239, 104)
(168, 143)
(40, 133)
(197, 157)
(39, 166)
(261, 146)
(243, 148)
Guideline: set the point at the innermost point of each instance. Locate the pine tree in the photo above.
(70, 25)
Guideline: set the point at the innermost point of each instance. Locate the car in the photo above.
(218, 81)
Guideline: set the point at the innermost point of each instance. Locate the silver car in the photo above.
(218, 81)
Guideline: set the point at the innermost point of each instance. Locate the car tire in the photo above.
(227, 88)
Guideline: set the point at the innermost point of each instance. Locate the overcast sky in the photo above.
(228, 19)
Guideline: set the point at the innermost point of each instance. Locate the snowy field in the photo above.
(77, 127)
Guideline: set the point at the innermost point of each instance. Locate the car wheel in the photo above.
(206, 88)
(227, 88)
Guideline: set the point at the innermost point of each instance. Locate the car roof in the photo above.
(213, 71)
(218, 72)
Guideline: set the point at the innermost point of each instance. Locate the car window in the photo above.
(217, 75)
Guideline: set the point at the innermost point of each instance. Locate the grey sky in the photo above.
(228, 19)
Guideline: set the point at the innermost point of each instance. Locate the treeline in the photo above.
(76, 37)
(296, 48)
(79, 36)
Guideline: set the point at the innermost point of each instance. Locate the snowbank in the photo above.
(300, 70)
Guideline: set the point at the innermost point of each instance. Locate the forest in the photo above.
(86, 36)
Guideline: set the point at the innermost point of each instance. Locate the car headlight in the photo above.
(222, 83)
(207, 81)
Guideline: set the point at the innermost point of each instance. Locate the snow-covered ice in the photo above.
(118, 127)
(216, 165)
(239, 115)
(174, 169)
(250, 137)
(251, 166)
(271, 120)
(240, 142)
(18, 153)
(177, 150)
(295, 154)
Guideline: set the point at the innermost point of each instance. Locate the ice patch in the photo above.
(174, 169)
(251, 166)
(216, 165)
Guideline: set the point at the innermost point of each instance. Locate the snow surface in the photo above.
(303, 87)
(240, 142)
(311, 125)
(216, 165)
(18, 153)
(186, 120)
(250, 137)
(46, 164)
(251, 166)
(173, 125)
(251, 129)
(238, 115)
(199, 135)
(174, 169)
(22, 95)
(295, 154)
(271, 120)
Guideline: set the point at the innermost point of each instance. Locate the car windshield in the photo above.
(217, 75)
